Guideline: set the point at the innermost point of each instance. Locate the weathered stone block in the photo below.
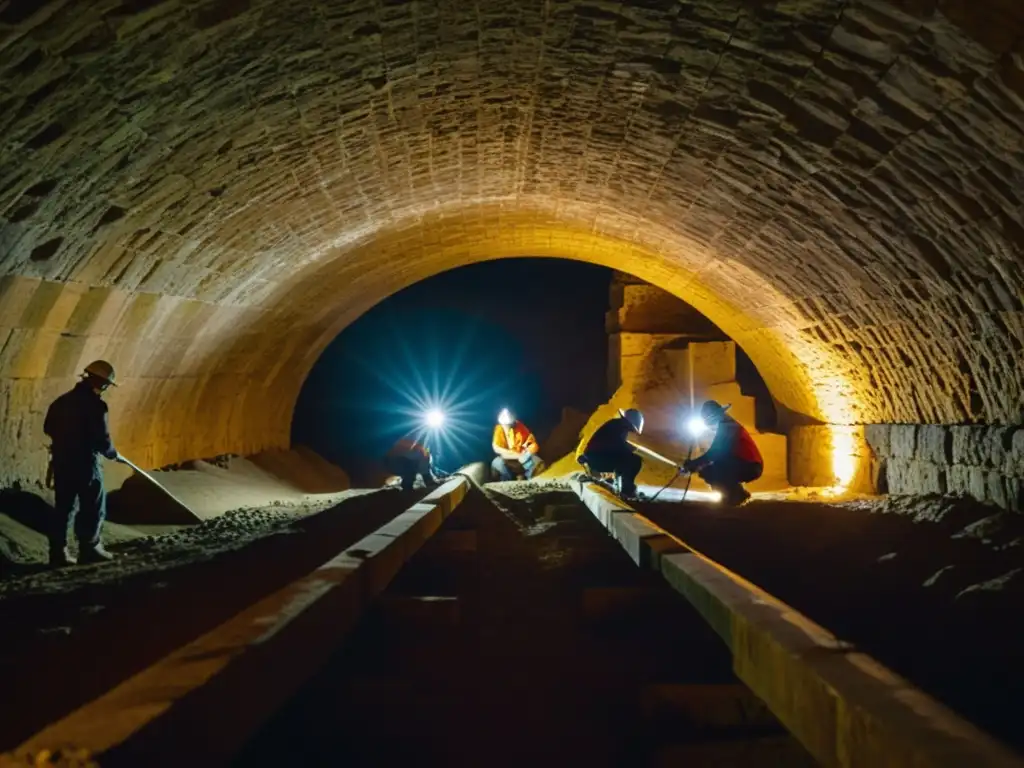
(15, 295)
(910, 477)
(810, 456)
(1013, 464)
(902, 440)
(1014, 493)
(877, 436)
(968, 445)
(933, 444)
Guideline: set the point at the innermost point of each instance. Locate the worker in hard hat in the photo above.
(609, 451)
(77, 424)
(731, 460)
(409, 458)
(515, 449)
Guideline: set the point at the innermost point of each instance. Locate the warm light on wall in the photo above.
(845, 455)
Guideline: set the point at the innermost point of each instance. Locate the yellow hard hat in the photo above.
(101, 369)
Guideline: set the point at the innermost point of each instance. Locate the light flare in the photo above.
(845, 455)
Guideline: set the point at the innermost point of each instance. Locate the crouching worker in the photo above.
(407, 459)
(515, 447)
(609, 451)
(77, 424)
(732, 459)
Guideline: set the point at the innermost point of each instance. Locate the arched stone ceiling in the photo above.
(205, 191)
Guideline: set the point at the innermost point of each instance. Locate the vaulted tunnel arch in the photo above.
(206, 192)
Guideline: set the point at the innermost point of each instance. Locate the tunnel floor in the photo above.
(931, 588)
(544, 645)
(899, 578)
(75, 632)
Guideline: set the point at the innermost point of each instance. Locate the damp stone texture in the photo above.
(205, 192)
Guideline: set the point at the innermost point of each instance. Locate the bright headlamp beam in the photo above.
(505, 418)
(696, 426)
(434, 418)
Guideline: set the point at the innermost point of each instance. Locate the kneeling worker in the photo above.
(609, 450)
(409, 458)
(516, 448)
(77, 425)
(732, 459)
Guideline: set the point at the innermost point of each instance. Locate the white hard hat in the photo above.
(101, 369)
(634, 417)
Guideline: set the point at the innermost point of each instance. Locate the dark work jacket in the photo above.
(610, 438)
(78, 426)
(732, 441)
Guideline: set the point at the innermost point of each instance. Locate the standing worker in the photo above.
(515, 448)
(78, 427)
(609, 450)
(409, 458)
(731, 460)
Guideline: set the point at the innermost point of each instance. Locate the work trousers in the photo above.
(407, 468)
(505, 469)
(728, 475)
(625, 464)
(80, 501)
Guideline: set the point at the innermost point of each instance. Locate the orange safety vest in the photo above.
(516, 437)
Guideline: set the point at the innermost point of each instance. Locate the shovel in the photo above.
(166, 492)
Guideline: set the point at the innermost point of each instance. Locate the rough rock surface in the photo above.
(834, 184)
(983, 462)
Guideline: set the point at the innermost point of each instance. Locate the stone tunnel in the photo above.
(206, 192)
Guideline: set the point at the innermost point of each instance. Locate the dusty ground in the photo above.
(143, 549)
(228, 501)
(70, 634)
(930, 587)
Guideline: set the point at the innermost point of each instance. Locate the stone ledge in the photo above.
(143, 720)
(845, 708)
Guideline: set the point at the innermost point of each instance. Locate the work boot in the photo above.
(95, 554)
(61, 558)
(735, 496)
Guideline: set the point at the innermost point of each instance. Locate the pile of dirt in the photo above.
(211, 489)
(165, 548)
(136, 508)
(529, 489)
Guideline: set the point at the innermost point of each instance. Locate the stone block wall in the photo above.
(983, 462)
(834, 185)
(187, 388)
(667, 363)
